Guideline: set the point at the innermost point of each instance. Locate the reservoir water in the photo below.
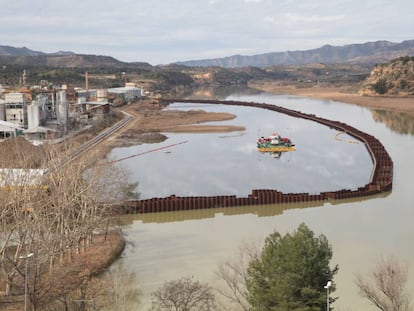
(168, 246)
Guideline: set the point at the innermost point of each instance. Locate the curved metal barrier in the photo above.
(380, 181)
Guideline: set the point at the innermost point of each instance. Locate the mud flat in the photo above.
(150, 120)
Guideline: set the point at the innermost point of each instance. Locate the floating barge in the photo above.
(275, 143)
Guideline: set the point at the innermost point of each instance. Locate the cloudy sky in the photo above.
(164, 31)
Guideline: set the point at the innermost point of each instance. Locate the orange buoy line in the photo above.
(145, 152)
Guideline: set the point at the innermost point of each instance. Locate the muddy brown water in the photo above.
(167, 246)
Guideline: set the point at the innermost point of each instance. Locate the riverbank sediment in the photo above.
(345, 94)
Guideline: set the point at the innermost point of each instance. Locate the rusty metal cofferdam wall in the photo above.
(381, 177)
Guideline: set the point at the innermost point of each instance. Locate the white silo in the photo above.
(33, 115)
(101, 95)
(42, 100)
(61, 97)
(62, 108)
(2, 111)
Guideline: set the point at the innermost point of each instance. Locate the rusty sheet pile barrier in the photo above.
(380, 181)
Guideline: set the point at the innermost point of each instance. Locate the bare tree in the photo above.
(184, 294)
(54, 219)
(233, 273)
(384, 287)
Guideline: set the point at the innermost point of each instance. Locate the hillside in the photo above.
(68, 61)
(394, 78)
(366, 53)
(25, 57)
(7, 50)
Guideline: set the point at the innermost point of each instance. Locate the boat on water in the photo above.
(275, 143)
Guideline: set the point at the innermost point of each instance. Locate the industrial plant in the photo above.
(41, 113)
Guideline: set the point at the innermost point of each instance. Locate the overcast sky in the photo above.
(161, 32)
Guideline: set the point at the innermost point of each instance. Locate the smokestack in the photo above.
(86, 81)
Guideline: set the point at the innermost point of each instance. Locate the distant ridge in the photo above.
(6, 50)
(366, 53)
(64, 59)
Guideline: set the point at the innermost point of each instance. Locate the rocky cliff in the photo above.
(394, 78)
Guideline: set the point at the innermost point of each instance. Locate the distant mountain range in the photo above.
(369, 53)
(365, 53)
(6, 50)
(26, 57)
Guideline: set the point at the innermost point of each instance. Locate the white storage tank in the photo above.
(33, 115)
(61, 97)
(2, 111)
(62, 108)
(62, 112)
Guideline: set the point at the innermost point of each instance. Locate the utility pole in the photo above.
(25, 277)
(327, 286)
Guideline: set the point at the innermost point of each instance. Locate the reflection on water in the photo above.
(215, 92)
(257, 210)
(399, 122)
(230, 164)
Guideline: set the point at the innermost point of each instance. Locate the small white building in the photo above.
(127, 93)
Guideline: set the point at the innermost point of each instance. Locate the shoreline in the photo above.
(344, 94)
(151, 121)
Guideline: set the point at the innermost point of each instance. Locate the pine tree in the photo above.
(291, 272)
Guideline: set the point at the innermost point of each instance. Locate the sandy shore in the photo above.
(343, 94)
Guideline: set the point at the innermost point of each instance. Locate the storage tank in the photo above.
(33, 115)
(2, 111)
(61, 98)
(62, 112)
(101, 95)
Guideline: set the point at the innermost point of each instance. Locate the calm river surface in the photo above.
(167, 246)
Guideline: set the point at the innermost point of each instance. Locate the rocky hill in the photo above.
(366, 53)
(394, 78)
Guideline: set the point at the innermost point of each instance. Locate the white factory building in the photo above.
(15, 109)
(127, 92)
(49, 112)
